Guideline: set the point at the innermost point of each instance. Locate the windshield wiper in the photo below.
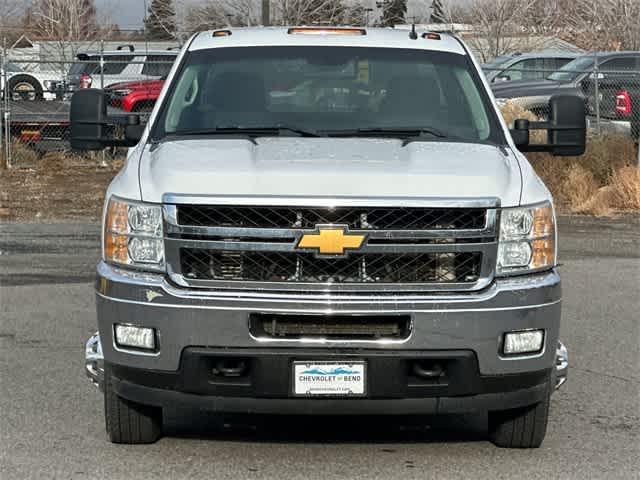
(408, 134)
(251, 132)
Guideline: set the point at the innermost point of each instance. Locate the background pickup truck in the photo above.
(619, 101)
(137, 96)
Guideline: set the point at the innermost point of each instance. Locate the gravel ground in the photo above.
(51, 423)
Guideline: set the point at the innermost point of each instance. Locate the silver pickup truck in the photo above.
(327, 221)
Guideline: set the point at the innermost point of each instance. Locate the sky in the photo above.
(128, 14)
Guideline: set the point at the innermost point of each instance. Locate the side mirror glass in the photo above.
(567, 128)
(93, 129)
(568, 125)
(88, 119)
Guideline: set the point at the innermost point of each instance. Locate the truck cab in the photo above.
(326, 221)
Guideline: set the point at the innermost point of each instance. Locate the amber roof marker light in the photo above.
(431, 36)
(326, 31)
(222, 33)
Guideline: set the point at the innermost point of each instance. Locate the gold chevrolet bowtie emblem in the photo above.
(331, 240)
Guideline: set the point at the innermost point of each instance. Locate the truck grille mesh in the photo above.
(302, 267)
(358, 218)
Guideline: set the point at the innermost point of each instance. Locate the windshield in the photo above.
(329, 91)
(89, 65)
(572, 70)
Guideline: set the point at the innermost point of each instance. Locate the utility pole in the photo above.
(266, 13)
(367, 11)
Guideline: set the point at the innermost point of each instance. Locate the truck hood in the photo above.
(329, 167)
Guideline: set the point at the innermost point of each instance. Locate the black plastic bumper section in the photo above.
(260, 381)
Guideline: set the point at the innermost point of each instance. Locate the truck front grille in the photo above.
(404, 248)
(306, 268)
(394, 218)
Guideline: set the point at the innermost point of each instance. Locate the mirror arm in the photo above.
(547, 148)
(550, 126)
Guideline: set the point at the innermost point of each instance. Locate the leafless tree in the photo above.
(218, 13)
(9, 26)
(602, 24)
(504, 26)
(68, 23)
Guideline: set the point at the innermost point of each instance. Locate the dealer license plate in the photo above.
(329, 379)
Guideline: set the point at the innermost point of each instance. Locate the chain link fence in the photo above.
(36, 95)
(610, 85)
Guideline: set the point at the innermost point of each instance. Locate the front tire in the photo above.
(522, 427)
(129, 422)
(25, 88)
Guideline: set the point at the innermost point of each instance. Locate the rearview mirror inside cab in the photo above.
(566, 127)
(92, 128)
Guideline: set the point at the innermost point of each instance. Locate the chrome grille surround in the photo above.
(232, 242)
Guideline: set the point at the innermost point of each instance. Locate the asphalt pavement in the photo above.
(51, 418)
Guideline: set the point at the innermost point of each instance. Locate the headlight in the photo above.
(527, 239)
(502, 102)
(123, 92)
(133, 235)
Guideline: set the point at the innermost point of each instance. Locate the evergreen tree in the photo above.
(160, 23)
(393, 12)
(438, 13)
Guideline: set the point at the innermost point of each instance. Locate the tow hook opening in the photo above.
(94, 361)
(229, 367)
(428, 370)
(562, 365)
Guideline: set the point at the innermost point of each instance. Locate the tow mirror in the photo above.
(567, 128)
(92, 128)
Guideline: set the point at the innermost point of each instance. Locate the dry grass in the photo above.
(602, 181)
(579, 185)
(54, 187)
(625, 184)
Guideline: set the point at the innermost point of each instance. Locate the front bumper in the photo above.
(218, 321)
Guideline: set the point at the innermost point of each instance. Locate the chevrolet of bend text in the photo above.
(327, 221)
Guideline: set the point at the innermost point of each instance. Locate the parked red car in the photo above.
(138, 96)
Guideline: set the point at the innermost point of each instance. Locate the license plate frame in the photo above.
(342, 386)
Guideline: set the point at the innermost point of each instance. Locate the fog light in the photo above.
(135, 337)
(518, 343)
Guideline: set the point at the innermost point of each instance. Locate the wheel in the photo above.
(522, 427)
(129, 422)
(25, 87)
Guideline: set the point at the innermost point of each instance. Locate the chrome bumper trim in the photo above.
(94, 361)
(562, 365)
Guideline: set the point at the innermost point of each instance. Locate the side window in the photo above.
(619, 64)
(115, 64)
(158, 65)
(553, 64)
(530, 69)
(560, 62)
